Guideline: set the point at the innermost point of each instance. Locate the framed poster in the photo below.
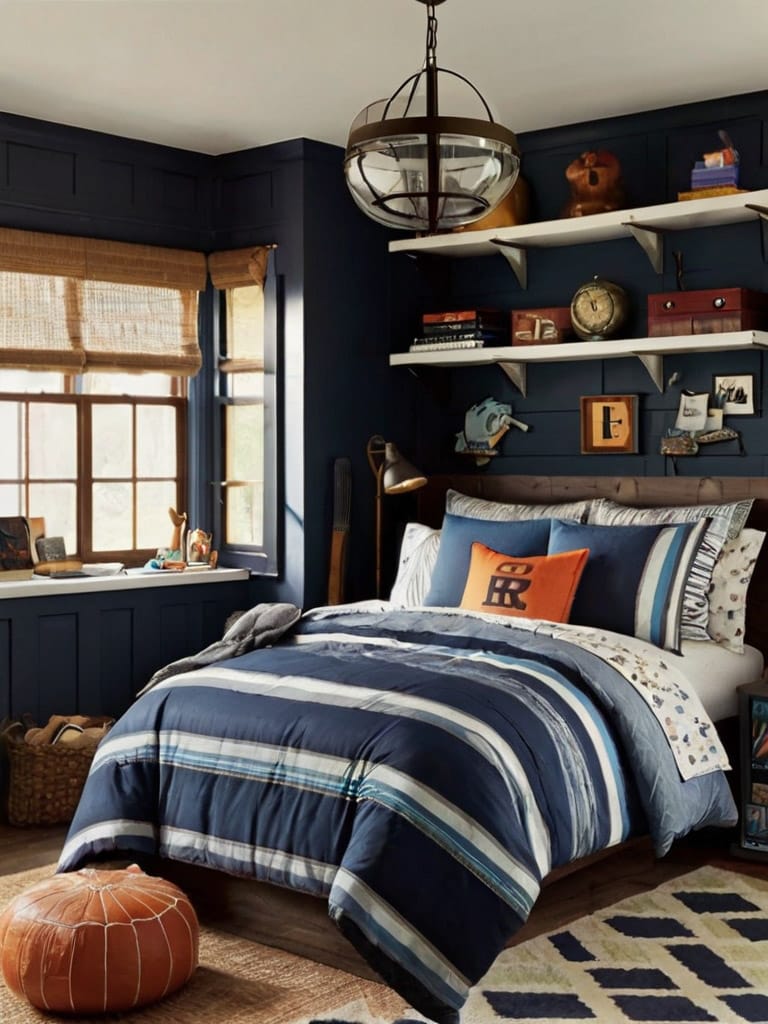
(734, 393)
(608, 424)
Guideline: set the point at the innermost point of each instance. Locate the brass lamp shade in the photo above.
(399, 474)
(410, 167)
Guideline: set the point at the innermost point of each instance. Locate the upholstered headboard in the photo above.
(633, 490)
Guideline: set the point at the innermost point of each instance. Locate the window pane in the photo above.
(245, 385)
(244, 518)
(11, 440)
(244, 425)
(112, 441)
(153, 523)
(245, 323)
(155, 441)
(32, 381)
(112, 517)
(12, 500)
(52, 441)
(58, 504)
(137, 384)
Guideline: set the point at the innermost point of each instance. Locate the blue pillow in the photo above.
(459, 533)
(634, 579)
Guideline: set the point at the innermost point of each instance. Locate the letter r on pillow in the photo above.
(507, 584)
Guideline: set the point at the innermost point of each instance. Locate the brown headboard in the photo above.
(629, 490)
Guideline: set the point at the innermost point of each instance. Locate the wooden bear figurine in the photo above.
(596, 185)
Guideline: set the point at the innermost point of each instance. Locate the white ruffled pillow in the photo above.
(481, 508)
(418, 554)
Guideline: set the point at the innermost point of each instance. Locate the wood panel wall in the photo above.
(91, 653)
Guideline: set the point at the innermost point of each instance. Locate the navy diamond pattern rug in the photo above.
(695, 949)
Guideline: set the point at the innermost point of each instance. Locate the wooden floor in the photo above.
(582, 892)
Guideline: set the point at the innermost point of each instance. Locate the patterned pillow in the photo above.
(728, 594)
(536, 587)
(726, 522)
(458, 535)
(418, 554)
(634, 579)
(480, 508)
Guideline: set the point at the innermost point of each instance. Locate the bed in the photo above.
(417, 769)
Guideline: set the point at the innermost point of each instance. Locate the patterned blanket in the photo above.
(422, 771)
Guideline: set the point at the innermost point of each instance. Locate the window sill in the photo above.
(133, 579)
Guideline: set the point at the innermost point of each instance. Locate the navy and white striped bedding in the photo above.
(421, 770)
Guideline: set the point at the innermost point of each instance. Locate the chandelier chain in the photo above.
(431, 36)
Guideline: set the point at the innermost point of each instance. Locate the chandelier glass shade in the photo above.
(408, 166)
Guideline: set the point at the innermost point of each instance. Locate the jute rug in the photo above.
(695, 949)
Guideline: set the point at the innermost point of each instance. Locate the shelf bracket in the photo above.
(518, 374)
(651, 240)
(516, 256)
(654, 364)
(762, 213)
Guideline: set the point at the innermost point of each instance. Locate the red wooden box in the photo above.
(710, 311)
(541, 326)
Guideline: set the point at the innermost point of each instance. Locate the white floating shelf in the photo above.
(647, 224)
(513, 359)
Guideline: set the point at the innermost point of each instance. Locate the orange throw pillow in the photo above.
(530, 587)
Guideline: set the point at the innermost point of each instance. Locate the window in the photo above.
(96, 342)
(100, 456)
(246, 485)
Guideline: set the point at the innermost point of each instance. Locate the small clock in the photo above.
(599, 309)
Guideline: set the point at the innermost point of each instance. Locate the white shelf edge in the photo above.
(134, 579)
(599, 227)
(513, 358)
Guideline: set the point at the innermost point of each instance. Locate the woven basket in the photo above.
(45, 782)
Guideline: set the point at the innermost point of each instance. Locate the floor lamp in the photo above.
(394, 475)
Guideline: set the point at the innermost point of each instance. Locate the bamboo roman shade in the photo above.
(235, 268)
(72, 304)
(242, 273)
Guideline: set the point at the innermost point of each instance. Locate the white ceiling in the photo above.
(216, 76)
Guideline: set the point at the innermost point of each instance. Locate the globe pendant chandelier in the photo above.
(408, 166)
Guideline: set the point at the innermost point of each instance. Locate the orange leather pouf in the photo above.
(98, 941)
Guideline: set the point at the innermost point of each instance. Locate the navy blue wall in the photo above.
(332, 265)
(347, 304)
(656, 151)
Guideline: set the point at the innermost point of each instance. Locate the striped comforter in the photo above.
(421, 770)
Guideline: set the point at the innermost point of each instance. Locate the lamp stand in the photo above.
(375, 451)
(394, 475)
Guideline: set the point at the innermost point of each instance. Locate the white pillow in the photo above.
(481, 508)
(728, 594)
(725, 523)
(418, 554)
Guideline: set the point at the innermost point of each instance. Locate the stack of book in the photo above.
(464, 328)
(714, 177)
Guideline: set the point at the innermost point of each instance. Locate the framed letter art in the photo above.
(608, 424)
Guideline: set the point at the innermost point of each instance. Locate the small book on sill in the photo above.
(71, 567)
(7, 575)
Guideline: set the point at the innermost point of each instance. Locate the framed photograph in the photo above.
(608, 424)
(734, 393)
